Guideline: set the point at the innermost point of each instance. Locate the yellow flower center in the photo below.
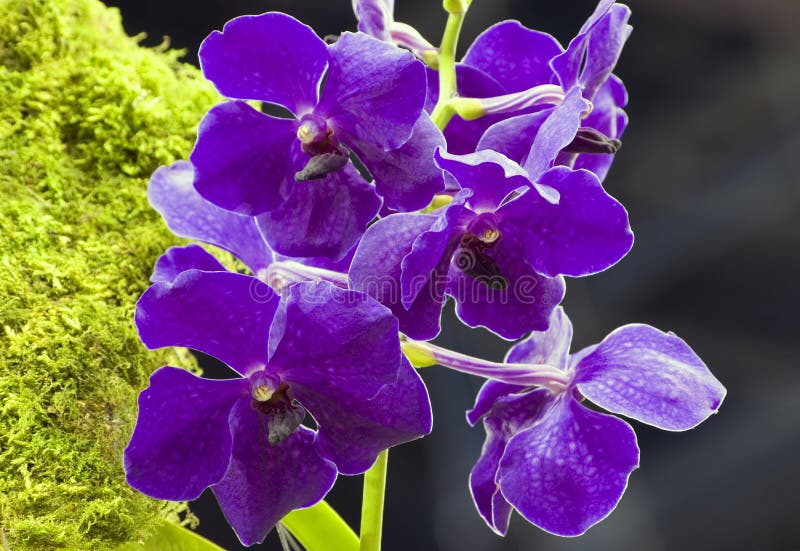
(490, 235)
(262, 393)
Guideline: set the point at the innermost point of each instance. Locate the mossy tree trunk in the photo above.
(86, 115)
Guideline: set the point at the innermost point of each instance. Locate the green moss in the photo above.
(85, 116)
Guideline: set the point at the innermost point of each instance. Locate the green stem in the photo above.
(320, 528)
(442, 112)
(372, 504)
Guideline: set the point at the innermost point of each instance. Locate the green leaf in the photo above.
(171, 537)
(320, 528)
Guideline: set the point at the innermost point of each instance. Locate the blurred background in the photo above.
(708, 171)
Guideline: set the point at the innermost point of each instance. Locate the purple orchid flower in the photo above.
(563, 466)
(189, 215)
(579, 134)
(521, 78)
(290, 171)
(505, 59)
(500, 248)
(319, 349)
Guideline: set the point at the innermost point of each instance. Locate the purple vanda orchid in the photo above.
(499, 248)
(487, 74)
(583, 130)
(561, 465)
(319, 349)
(290, 171)
(522, 79)
(188, 214)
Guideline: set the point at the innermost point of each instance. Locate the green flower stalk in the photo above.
(86, 115)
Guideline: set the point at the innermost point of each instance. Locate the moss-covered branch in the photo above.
(85, 116)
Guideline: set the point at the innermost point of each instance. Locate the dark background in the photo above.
(708, 171)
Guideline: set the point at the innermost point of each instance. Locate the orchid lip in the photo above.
(322, 164)
(481, 235)
(472, 259)
(276, 402)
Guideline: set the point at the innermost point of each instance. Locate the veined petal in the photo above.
(242, 159)
(376, 270)
(373, 94)
(177, 260)
(432, 249)
(355, 424)
(568, 65)
(222, 314)
(324, 332)
(599, 11)
(568, 471)
(375, 17)
(585, 233)
(591, 56)
(270, 57)
(491, 177)
(651, 376)
(181, 443)
(488, 395)
(171, 192)
(524, 304)
(515, 56)
(536, 140)
(549, 347)
(486, 494)
(265, 482)
(555, 133)
(509, 414)
(513, 136)
(406, 178)
(605, 46)
(323, 217)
